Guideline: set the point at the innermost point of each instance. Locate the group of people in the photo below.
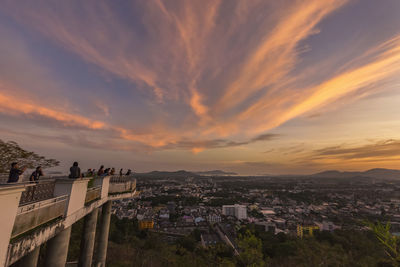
(16, 172)
(75, 172)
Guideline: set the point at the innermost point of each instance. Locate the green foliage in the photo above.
(90, 183)
(339, 248)
(250, 250)
(390, 242)
(11, 152)
(256, 214)
(131, 247)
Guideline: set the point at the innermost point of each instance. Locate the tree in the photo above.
(390, 242)
(250, 251)
(11, 152)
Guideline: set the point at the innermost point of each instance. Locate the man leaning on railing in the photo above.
(15, 172)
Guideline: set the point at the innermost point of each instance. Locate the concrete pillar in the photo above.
(57, 249)
(9, 202)
(104, 182)
(101, 252)
(88, 237)
(76, 189)
(29, 260)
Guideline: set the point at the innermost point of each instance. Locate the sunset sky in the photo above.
(255, 87)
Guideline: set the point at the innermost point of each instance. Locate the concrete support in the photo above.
(88, 237)
(104, 182)
(9, 201)
(57, 249)
(30, 260)
(101, 252)
(76, 189)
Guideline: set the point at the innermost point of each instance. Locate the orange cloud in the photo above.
(12, 105)
(384, 64)
(212, 57)
(274, 57)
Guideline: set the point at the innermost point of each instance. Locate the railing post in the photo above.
(9, 201)
(104, 182)
(88, 238)
(101, 252)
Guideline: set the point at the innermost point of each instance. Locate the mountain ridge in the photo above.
(376, 173)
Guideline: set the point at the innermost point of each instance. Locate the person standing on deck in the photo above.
(36, 174)
(15, 172)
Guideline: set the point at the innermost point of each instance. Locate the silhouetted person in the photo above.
(106, 172)
(74, 171)
(112, 172)
(101, 171)
(120, 172)
(128, 172)
(36, 174)
(15, 172)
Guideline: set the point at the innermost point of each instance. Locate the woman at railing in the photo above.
(36, 174)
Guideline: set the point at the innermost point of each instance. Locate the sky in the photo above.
(254, 87)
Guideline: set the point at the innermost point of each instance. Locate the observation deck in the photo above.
(36, 213)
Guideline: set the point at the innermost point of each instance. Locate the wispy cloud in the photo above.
(383, 149)
(215, 74)
(12, 105)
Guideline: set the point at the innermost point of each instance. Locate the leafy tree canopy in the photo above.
(11, 152)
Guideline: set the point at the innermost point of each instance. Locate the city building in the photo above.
(238, 211)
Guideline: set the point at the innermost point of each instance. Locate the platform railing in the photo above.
(93, 193)
(121, 179)
(120, 184)
(34, 192)
(36, 214)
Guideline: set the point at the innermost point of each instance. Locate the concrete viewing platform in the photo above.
(36, 213)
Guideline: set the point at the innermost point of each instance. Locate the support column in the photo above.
(101, 252)
(57, 249)
(88, 237)
(10, 195)
(30, 260)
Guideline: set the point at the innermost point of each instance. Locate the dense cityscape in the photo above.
(217, 207)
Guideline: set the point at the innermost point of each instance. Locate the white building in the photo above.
(214, 218)
(239, 211)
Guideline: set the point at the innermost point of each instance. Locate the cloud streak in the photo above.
(213, 74)
(383, 149)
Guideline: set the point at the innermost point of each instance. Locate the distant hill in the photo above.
(215, 173)
(184, 174)
(378, 173)
(168, 174)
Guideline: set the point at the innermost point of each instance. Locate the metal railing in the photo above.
(35, 192)
(93, 193)
(121, 179)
